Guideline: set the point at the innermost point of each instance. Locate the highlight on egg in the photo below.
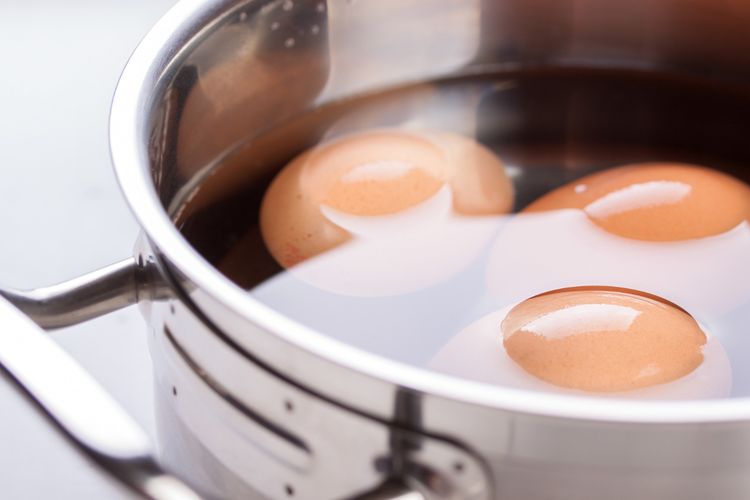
(591, 340)
(655, 201)
(352, 214)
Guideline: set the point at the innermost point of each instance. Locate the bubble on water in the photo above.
(287, 5)
(289, 43)
(274, 26)
(315, 29)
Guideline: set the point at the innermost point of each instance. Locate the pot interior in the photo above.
(556, 91)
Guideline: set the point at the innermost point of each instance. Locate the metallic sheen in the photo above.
(173, 119)
(82, 298)
(165, 138)
(79, 406)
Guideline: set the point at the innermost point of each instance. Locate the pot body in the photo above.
(285, 411)
(239, 429)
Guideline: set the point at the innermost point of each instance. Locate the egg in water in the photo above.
(660, 228)
(599, 340)
(385, 211)
(656, 201)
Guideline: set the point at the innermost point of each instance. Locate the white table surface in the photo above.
(62, 214)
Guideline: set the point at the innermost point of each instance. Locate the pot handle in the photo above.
(78, 406)
(82, 409)
(85, 297)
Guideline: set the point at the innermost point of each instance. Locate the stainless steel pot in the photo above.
(250, 400)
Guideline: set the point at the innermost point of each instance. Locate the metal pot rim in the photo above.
(128, 127)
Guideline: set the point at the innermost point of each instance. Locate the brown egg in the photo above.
(656, 201)
(602, 340)
(477, 353)
(352, 184)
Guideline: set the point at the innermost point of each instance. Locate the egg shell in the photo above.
(656, 201)
(477, 353)
(602, 339)
(334, 245)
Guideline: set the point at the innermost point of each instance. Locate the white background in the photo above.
(61, 214)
